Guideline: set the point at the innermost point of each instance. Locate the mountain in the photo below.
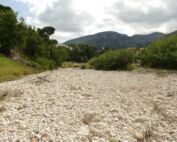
(114, 39)
(172, 33)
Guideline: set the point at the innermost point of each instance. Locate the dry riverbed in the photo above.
(73, 105)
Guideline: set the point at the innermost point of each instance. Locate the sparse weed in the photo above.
(148, 134)
(162, 73)
(3, 95)
(160, 111)
(71, 65)
(130, 67)
(86, 66)
(2, 109)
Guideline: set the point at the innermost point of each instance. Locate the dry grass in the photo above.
(148, 134)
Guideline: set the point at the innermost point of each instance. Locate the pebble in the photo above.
(87, 105)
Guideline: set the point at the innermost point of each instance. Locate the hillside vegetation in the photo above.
(161, 53)
(116, 40)
(9, 69)
(34, 43)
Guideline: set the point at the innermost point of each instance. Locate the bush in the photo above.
(59, 55)
(46, 63)
(113, 60)
(71, 65)
(86, 66)
(82, 53)
(161, 53)
(131, 67)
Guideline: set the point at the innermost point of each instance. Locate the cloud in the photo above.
(74, 18)
(145, 13)
(37, 6)
(64, 18)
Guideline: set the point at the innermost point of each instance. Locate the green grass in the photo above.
(86, 66)
(10, 70)
(71, 65)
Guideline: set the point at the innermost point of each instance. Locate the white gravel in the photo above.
(73, 105)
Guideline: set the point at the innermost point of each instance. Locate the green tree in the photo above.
(8, 31)
(46, 32)
(82, 53)
(59, 55)
(33, 43)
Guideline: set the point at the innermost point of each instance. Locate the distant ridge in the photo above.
(117, 40)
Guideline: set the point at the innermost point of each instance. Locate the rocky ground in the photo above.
(72, 105)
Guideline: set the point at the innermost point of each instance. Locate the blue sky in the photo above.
(20, 7)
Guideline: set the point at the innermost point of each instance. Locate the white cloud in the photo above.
(65, 18)
(38, 6)
(73, 18)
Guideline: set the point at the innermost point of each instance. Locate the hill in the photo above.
(114, 39)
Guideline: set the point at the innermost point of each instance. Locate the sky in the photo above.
(75, 18)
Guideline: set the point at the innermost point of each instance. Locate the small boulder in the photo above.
(91, 117)
(139, 136)
(99, 129)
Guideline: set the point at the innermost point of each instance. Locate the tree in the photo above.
(82, 53)
(33, 42)
(59, 54)
(46, 32)
(8, 31)
(53, 42)
(5, 8)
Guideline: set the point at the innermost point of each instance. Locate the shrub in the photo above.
(86, 66)
(59, 55)
(131, 67)
(161, 53)
(71, 65)
(46, 63)
(82, 53)
(113, 60)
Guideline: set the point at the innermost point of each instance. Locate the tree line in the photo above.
(33, 43)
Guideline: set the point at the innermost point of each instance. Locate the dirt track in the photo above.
(72, 105)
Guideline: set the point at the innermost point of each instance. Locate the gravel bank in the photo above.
(72, 105)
